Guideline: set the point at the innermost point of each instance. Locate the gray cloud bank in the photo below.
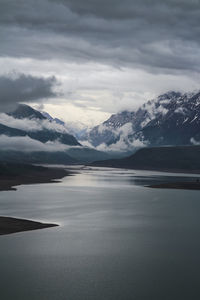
(123, 144)
(159, 36)
(15, 88)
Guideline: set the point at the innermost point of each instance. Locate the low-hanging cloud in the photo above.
(26, 144)
(123, 143)
(15, 88)
(31, 125)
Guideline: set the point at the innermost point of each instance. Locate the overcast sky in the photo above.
(82, 60)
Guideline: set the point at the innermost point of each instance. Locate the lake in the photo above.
(117, 239)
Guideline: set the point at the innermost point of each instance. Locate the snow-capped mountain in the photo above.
(171, 119)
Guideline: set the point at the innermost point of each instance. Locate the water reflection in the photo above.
(92, 176)
(118, 240)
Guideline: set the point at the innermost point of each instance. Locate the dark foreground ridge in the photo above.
(177, 185)
(12, 174)
(183, 159)
(12, 225)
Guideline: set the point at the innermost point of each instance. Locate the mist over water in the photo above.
(117, 239)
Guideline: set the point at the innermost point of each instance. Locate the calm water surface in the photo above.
(116, 239)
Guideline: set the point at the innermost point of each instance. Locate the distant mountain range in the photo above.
(28, 123)
(44, 135)
(171, 119)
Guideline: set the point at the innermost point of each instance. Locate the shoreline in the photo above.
(9, 225)
(12, 175)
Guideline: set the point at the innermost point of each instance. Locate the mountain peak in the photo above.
(25, 111)
(169, 95)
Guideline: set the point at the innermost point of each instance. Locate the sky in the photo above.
(85, 60)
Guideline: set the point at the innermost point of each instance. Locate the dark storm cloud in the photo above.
(24, 88)
(155, 35)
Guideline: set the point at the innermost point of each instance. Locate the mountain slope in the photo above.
(176, 122)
